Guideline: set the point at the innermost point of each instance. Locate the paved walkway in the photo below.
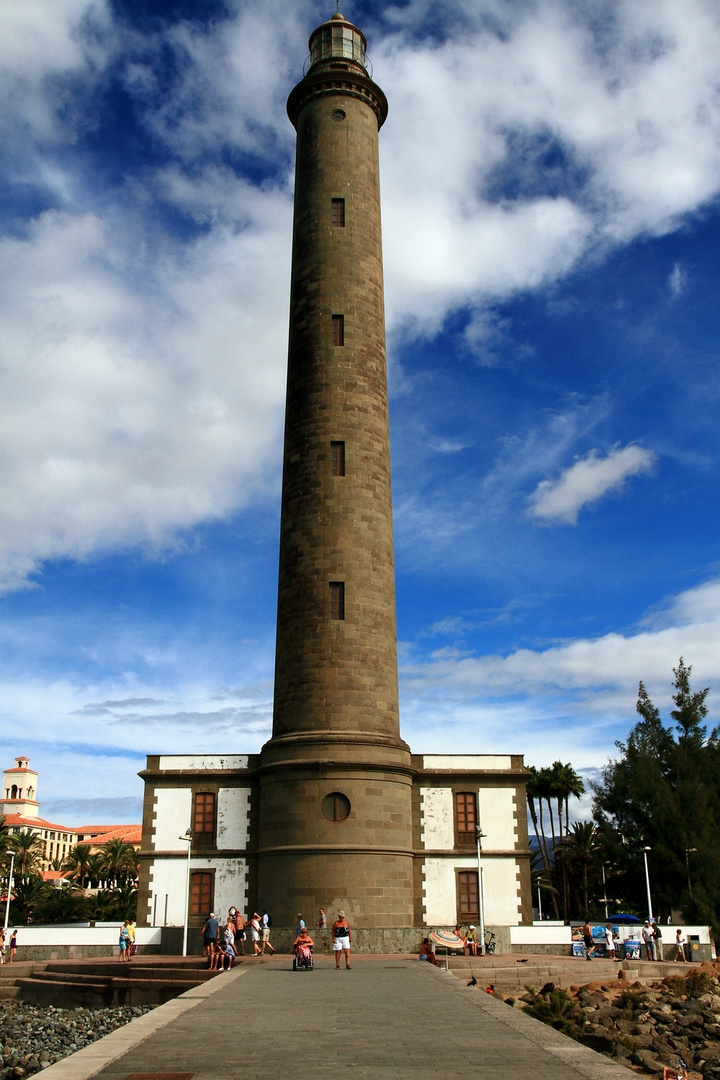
(386, 1017)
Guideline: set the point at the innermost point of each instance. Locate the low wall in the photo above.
(553, 939)
(364, 940)
(74, 942)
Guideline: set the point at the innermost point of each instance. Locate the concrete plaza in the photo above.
(386, 1017)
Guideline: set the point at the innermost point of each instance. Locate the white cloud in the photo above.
(577, 696)
(677, 280)
(587, 481)
(142, 370)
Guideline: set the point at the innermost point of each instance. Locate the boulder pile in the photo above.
(646, 1028)
(32, 1037)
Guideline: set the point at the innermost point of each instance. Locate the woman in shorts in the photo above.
(341, 939)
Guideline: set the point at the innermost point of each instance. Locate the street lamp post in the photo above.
(604, 895)
(479, 834)
(188, 837)
(647, 883)
(9, 890)
(687, 863)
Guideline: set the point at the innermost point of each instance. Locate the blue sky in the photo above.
(550, 182)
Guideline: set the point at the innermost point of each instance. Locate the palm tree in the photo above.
(77, 863)
(538, 792)
(28, 893)
(564, 782)
(581, 849)
(29, 851)
(95, 869)
(119, 861)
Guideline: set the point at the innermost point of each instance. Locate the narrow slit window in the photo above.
(337, 599)
(338, 329)
(337, 458)
(338, 213)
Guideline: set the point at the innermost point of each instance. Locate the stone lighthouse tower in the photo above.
(335, 779)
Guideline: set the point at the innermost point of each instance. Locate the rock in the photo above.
(646, 1060)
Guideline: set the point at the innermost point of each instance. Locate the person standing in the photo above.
(300, 924)
(648, 940)
(341, 939)
(132, 947)
(587, 939)
(210, 934)
(123, 943)
(322, 921)
(657, 934)
(229, 935)
(265, 924)
(255, 932)
(680, 944)
(2, 944)
(239, 931)
(13, 946)
(609, 942)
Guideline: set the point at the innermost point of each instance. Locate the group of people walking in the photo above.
(223, 945)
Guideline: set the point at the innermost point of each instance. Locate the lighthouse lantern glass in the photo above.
(338, 40)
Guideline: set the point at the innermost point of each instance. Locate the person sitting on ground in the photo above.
(227, 955)
(215, 954)
(426, 952)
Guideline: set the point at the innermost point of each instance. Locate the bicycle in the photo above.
(489, 943)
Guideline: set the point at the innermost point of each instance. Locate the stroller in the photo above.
(303, 958)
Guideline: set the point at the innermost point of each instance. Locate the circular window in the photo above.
(336, 806)
(338, 114)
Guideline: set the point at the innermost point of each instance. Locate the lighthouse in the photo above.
(335, 812)
(336, 778)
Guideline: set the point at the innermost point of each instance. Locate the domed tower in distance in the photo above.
(335, 813)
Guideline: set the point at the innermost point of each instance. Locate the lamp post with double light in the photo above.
(479, 835)
(187, 837)
(647, 882)
(9, 891)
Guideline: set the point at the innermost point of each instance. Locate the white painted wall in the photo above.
(172, 817)
(437, 819)
(168, 878)
(204, 761)
(500, 890)
(107, 934)
(440, 898)
(497, 818)
(233, 818)
(501, 884)
(467, 761)
(230, 886)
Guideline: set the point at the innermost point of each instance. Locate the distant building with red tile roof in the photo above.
(19, 805)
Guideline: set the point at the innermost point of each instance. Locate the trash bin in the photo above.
(694, 949)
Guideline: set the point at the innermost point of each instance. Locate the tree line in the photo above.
(100, 885)
(659, 798)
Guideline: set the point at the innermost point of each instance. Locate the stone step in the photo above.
(9, 993)
(114, 970)
(68, 977)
